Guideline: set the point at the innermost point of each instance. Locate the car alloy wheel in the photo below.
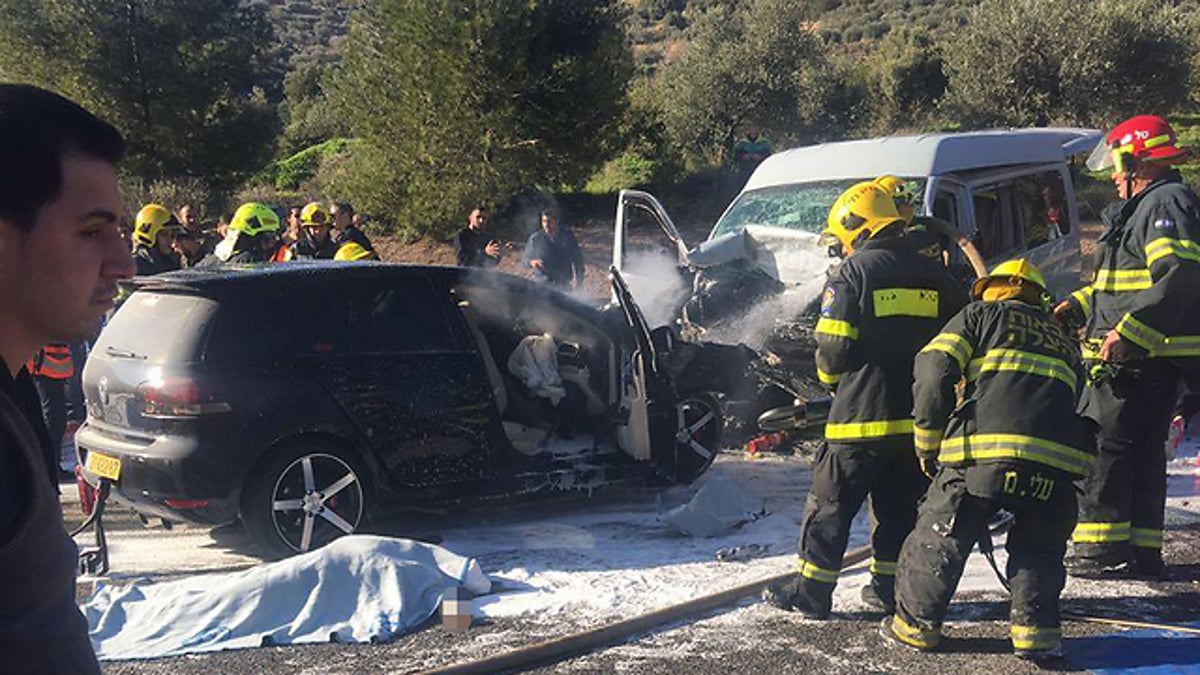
(699, 424)
(316, 498)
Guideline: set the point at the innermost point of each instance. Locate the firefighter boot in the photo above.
(790, 597)
(880, 594)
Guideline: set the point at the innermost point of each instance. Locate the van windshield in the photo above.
(158, 328)
(798, 206)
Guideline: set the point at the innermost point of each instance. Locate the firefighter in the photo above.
(880, 306)
(1138, 316)
(1012, 441)
(153, 238)
(253, 237)
(315, 239)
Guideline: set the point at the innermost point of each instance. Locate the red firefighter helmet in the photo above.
(1145, 138)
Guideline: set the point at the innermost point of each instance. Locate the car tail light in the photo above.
(176, 398)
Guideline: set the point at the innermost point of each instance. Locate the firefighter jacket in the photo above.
(1149, 272)
(1023, 376)
(53, 362)
(880, 306)
(150, 261)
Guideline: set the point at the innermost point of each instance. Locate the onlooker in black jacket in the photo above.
(473, 246)
(61, 257)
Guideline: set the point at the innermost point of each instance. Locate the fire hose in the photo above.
(93, 560)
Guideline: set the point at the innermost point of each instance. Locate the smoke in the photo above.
(657, 284)
(755, 326)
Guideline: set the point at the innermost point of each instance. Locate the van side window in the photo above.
(1020, 214)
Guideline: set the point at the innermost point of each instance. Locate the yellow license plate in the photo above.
(104, 466)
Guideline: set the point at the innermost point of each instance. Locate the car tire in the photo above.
(700, 423)
(304, 496)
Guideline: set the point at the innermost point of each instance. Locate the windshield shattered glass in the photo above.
(800, 206)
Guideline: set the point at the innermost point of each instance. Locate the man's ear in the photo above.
(11, 238)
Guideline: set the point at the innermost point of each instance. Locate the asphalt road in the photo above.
(746, 637)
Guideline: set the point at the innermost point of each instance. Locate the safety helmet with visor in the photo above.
(314, 214)
(152, 219)
(860, 213)
(353, 252)
(902, 193)
(253, 219)
(1016, 278)
(1144, 138)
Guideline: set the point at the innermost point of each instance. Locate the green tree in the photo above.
(1077, 61)
(460, 101)
(180, 78)
(757, 62)
(309, 116)
(906, 81)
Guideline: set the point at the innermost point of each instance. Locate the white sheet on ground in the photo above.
(535, 362)
(718, 508)
(357, 589)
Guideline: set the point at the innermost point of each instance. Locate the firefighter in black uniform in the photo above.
(880, 306)
(1140, 317)
(1013, 441)
(153, 233)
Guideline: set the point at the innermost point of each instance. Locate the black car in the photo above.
(302, 398)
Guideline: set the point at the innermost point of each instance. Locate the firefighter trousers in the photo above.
(843, 476)
(1122, 502)
(953, 517)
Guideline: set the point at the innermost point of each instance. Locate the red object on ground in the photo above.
(87, 493)
(766, 443)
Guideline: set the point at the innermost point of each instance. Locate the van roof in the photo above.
(921, 155)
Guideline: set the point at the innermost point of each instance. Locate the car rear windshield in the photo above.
(158, 327)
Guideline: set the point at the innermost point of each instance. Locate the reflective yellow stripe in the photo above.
(953, 344)
(1101, 533)
(1034, 637)
(912, 635)
(979, 447)
(1184, 249)
(1118, 281)
(884, 567)
(1090, 349)
(1083, 296)
(827, 378)
(1156, 141)
(919, 302)
(1015, 360)
(811, 571)
(1179, 346)
(837, 327)
(1140, 334)
(927, 440)
(850, 431)
(1146, 537)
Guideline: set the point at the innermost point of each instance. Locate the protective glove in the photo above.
(929, 465)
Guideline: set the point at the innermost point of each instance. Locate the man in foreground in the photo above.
(61, 256)
(1014, 442)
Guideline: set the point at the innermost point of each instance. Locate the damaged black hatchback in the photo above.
(303, 398)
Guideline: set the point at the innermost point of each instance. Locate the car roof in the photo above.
(921, 155)
(218, 280)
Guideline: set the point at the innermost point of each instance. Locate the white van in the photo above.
(1010, 191)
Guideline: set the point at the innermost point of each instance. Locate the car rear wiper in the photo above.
(119, 353)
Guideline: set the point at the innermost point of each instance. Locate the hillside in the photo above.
(309, 30)
(314, 29)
